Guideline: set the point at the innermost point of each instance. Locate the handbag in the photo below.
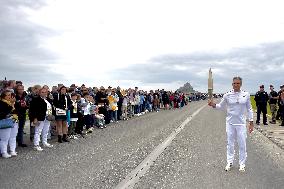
(6, 123)
(60, 112)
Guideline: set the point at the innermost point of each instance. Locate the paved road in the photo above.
(194, 159)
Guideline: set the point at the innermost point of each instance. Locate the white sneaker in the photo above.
(13, 154)
(90, 130)
(242, 168)
(71, 136)
(228, 167)
(74, 137)
(6, 156)
(38, 148)
(47, 145)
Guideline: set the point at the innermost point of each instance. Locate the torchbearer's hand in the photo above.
(250, 126)
(211, 103)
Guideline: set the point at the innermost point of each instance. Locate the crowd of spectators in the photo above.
(71, 112)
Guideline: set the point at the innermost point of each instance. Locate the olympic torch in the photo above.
(210, 85)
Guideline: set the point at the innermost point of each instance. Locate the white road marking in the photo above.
(132, 178)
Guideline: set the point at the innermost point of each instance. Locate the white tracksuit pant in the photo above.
(4, 139)
(238, 132)
(42, 129)
(13, 137)
(8, 136)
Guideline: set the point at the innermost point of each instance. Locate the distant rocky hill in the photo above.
(186, 88)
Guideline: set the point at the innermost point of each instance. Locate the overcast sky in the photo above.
(149, 43)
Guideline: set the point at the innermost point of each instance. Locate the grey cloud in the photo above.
(25, 3)
(21, 56)
(262, 64)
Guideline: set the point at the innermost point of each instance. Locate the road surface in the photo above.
(183, 148)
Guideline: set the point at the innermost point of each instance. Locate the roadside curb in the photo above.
(273, 132)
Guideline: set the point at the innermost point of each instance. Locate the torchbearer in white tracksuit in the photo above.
(238, 105)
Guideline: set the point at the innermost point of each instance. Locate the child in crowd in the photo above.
(141, 103)
(87, 113)
(113, 99)
(73, 116)
(149, 102)
(131, 96)
(99, 118)
(80, 123)
(124, 107)
(156, 103)
(93, 110)
(172, 98)
(137, 104)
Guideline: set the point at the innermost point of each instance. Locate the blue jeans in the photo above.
(88, 120)
(22, 121)
(149, 107)
(136, 109)
(142, 108)
(114, 115)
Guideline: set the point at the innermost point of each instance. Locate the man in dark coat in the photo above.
(261, 98)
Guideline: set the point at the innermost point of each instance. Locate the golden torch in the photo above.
(210, 85)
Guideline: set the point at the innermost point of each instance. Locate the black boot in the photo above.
(60, 139)
(22, 145)
(65, 139)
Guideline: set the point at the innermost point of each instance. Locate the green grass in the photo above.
(254, 105)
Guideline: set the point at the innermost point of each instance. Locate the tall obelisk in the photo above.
(210, 85)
